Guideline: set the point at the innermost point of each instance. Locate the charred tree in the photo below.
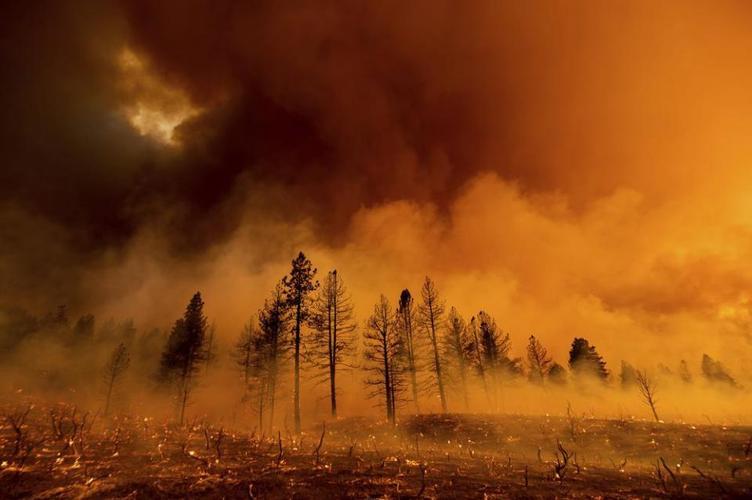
(557, 374)
(431, 313)
(647, 390)
(584, 360)
(383, 355)
(715, 373)
(186, 350)
(406, 319)
(476, 355)
(628, 375)
(333, 323)
(458, 351)
(539, 362)
(272, 346)
(298, 285)
(252, 355)
(113, 371)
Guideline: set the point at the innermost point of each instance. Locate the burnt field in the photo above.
(62, 452)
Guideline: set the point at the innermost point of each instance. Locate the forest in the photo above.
(415, 365)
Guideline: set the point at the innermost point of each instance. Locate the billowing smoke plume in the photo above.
(575, 169)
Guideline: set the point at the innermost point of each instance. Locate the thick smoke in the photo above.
(575, 170)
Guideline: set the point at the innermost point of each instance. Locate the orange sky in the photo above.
(575, 168)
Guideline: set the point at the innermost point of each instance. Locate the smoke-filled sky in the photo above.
(575, 168)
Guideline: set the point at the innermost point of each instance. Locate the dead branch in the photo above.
(17, 421)
(647, 389)
(713, 480)
(562, 459)
(281, 450)
(317, 451)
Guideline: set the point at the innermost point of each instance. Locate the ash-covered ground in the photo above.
(62, 452)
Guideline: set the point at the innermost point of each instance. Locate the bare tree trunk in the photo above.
(297, 370)
(388, 386)
(411, 357)
(437, 365)
(109, 395)
(184, 401)
(333, 347)
(481, 368)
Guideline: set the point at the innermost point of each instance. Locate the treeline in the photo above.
(411, 354)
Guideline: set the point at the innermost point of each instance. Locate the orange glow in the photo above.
(152, 107)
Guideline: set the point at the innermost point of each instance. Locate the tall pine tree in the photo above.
(185, 350)
(384, 354)
(298, 285)
(431, 312)
(333, 323)
(457, 351)
(585, 360)
(406, 325)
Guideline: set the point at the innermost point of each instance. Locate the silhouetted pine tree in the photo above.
(333, 323)
(538, 360)
(715, 372)
(83, 330)
(628, 375)
(384, 351)
(405, 323)
(585, 360)
(557, 374)
(114, 369)
(458, 351)
(254, 352)
(272, 345)
(185, 350)
(684, 373)
(211, 347)
(476, 355)
(494, 350)
(431, 313)
(297, 287)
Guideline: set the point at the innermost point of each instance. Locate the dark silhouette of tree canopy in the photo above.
(431, 312)
(83, 330)
(684, 373)
(272, 346)
(384, 354)
(493, 361)
(333, 323)
(406, 325)
(585, 360)
(114, 369)
(252, 358)
(538, 360)
(715, 372)
(185, 350)
(458, 349)
(476, 355)
(297, 287)
(628, 375)
(557, 374)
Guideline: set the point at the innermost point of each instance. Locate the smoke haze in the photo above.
(575, 170)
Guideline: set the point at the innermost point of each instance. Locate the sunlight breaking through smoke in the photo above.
(153, 107)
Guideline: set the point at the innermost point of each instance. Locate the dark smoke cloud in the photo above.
(314, 110)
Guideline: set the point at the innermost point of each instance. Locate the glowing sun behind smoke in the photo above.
(152, 106)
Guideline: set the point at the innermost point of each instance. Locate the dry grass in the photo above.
(429, 456)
